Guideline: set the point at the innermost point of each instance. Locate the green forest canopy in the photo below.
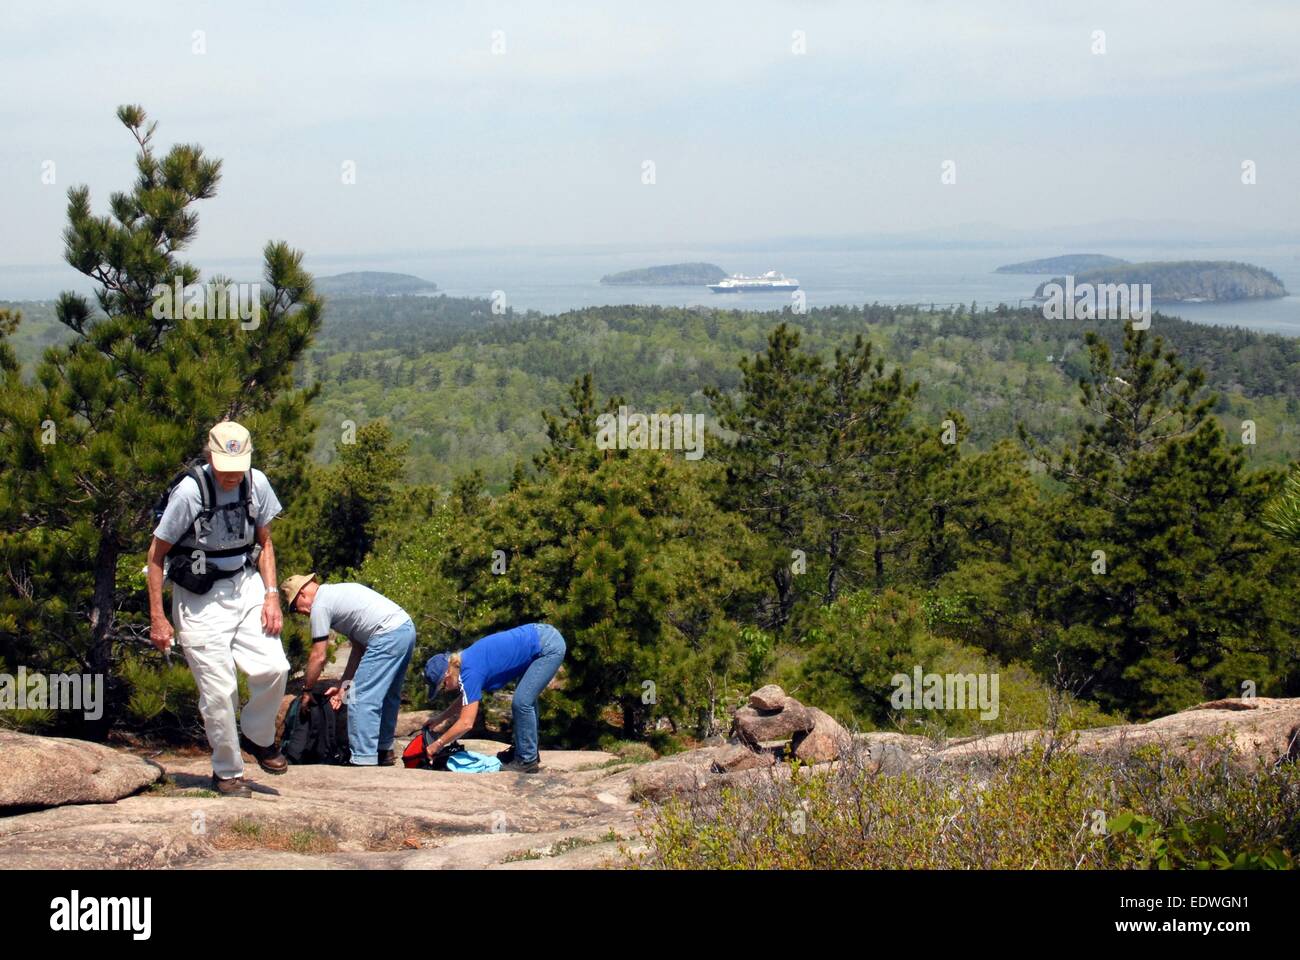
(466, 387)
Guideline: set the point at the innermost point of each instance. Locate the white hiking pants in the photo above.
(219, 631)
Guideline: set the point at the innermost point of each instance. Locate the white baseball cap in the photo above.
(231, 447)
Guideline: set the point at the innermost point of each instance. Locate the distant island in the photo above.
(1069, 263)
(668, 275)
(1186, 281)
(373, 283)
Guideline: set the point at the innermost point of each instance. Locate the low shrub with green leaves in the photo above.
(1042, 808)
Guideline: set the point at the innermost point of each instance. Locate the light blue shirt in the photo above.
(186, 501)
(355, 611)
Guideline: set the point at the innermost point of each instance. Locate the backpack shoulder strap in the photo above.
(207, 489)
(246, 494)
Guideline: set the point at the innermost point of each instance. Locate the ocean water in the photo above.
(556, 281)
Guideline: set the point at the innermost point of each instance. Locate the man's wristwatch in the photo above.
(272, 591)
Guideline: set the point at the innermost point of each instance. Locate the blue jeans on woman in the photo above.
(377, 693)
(530, 687)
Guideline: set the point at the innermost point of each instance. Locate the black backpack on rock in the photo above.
(318, 735)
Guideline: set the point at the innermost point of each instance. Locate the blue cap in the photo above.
(435, 670)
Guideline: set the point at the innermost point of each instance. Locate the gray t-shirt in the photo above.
(186, 502)
(355, 611)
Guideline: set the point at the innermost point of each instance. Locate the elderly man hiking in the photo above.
(383, 639)
(213, 536)
(530, 654)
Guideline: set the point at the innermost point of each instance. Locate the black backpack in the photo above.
(319, 736)
(177, 568)
(207, 493)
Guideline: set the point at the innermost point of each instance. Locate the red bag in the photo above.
(416, 755)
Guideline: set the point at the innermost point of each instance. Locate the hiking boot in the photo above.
(507, 756)
(388, 758)
(269, 758)
(233, 787)
(520, 766)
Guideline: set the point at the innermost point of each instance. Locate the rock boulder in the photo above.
(770, 697)
(1258, 728)
(826, 741)
(740, 757)
(661, 779)
(53, 771)
(755, 726)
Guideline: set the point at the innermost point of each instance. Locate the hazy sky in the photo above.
(456, 145)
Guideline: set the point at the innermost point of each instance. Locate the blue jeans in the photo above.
(530, 687)
(377, 693)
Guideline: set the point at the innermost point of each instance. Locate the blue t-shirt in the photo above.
(492, 662)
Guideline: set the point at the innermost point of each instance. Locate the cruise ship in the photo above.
(770, 282)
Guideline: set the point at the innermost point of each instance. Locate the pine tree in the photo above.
(1157, 576)
(114, 413)
(988, 527)
(339, 518)
(769, 477)
(826, 462)
(875, 473)
(570, 431)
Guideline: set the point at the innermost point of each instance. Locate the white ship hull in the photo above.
(770, 282)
